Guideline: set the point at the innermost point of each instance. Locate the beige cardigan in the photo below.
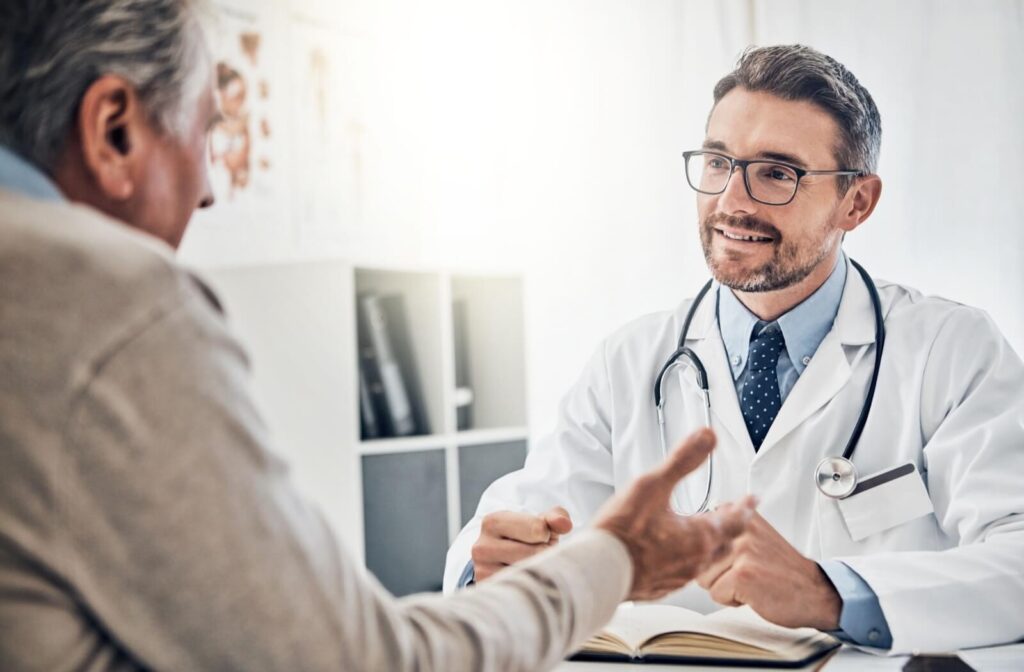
(146, 522)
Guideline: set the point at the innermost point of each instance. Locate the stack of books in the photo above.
(390, 398)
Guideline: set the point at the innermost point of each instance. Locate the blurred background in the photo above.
(509, 171)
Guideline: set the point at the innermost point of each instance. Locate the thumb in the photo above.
(684, 459)
(558, 520)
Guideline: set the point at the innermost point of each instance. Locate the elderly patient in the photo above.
(144, 521)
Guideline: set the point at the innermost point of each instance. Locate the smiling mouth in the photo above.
(745, 238)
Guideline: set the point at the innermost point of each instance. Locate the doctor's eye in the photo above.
(776, 173)
(712, 162)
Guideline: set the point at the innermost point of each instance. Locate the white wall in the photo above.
(543, 136)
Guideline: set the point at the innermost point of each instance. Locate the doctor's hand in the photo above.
(506, 537)
(669, 550)
(766, 572)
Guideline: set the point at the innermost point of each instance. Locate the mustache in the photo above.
(747, 223)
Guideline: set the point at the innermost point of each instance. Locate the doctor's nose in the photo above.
(736, 200)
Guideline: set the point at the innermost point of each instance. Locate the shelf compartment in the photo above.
(408, 305)
(406, 519)
(489, 352)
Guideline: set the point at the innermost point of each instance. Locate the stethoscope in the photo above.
(836, 477)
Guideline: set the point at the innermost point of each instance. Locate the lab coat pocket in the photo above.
(884, 500)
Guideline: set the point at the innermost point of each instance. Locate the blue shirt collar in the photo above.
(18, 175)
(804, 327)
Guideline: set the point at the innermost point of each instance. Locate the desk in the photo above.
(1009, 658)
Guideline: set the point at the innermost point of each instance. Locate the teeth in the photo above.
(755, 239)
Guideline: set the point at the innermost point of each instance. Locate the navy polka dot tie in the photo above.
(761, 397)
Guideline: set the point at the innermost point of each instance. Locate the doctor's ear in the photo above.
(111, 127)
(859, 202)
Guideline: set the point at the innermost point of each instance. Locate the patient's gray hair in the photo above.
(798, 72)
(51, 51)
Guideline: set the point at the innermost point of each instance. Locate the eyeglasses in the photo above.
(768, 182)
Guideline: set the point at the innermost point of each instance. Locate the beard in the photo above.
(791, 260)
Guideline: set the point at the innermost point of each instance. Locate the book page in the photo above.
(636, 625)
(742, 624)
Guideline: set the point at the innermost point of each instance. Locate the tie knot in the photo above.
(765, 348)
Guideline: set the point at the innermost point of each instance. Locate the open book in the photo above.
(660, 633)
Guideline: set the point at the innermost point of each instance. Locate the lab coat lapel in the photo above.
(706, 340)
(829, 370)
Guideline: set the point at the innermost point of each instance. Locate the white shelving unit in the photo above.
(397, 502)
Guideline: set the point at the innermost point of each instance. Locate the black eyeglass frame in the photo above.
(744, 163)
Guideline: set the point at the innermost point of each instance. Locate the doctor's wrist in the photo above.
(825, 603)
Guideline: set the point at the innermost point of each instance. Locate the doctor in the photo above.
(928, 552)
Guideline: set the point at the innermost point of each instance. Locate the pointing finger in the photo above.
(684, 459)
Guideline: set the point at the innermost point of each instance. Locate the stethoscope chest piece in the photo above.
(836, 477)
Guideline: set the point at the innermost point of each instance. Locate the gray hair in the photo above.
(797, 72)
(51, 51)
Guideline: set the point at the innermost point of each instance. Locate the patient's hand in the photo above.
(669, 550)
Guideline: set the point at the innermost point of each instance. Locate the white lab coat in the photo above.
(950, 399)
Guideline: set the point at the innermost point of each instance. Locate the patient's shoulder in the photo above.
(73, 281)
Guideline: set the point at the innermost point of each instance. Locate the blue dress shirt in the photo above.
(17, 174)
(467, 577)
(804, 327)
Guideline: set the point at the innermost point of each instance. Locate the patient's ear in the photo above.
(112, 131)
